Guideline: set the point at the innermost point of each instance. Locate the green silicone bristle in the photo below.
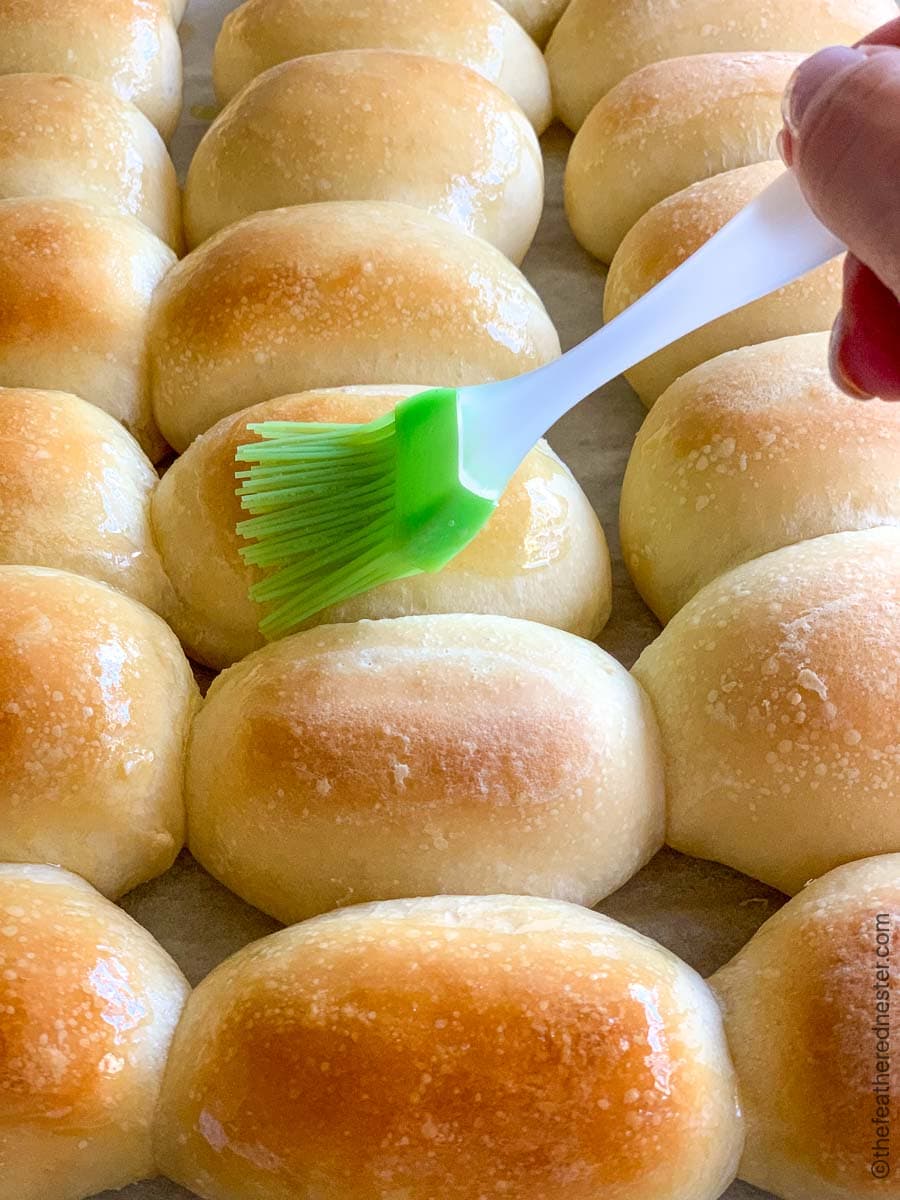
(336, 510)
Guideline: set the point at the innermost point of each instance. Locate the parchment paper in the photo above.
(703, 912)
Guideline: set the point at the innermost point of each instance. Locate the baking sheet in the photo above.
(703, 912)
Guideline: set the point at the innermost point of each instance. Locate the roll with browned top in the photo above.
(810, 1003)
(372, 125)
(130, 46)
(542, 555)
(331, 294)
(423, 756)
(96, 698)
(537, 17)
(472, 1049)
(478, 33)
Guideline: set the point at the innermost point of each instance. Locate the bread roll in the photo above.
(669, 234)
(90, 1002)
(95, 701)
(777, 694)
(477, 33)
(419, 757)
(536, 16)
(131, 46)
(667, 126)
(64, 136)
(338, 127)
(470, 1049)
(730, 465)
(543, 555)
(75, 494)
(331, 294)
(75, 289)
(808, 1014)
(595, 45)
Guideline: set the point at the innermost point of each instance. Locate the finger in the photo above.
(887, 35)
(865, 345)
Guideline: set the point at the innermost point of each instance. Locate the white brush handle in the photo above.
(769, 244)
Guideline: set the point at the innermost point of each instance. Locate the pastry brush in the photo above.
(337, 509)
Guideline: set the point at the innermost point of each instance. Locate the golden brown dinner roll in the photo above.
(337, 127)
(754, 450)
(423, 756)
(61, 135)
(477, 33)
(90, 1002)
(131, 46)
(75, 494)
(473, 1049)
(665, 127)
(75, 289)
(536, 16)
(669, 234)
(595, 45)
(542, 556)
(95, 701)
(777, 690)
(807, 1009)
(331, 294)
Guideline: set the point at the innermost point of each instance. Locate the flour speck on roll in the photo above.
(338, 127)
(472, 1049)
(478, 33)
(96, 698)
(423, 756)
(595, 45)
(326, 295)
(667, 235)
(809, 1010)
(752, 451)
(777, 690)
(90, 1002)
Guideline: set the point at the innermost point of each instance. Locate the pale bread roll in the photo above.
(423, 756)
(753, 451)
(75, 494)
(338, 127)
(96, 698)
(537, 17)
(131, 46)
(75, 291)
(808, 1013)
(478, 33)
(777, 690)
(664, 127)
(542, 556)
(669, 234)
(90, 1002)
(65, 136)
(595, 45)
(326, 295)
(455, 1047)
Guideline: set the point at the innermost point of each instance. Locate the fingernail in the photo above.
(785, 144)
(836, 364)
(809, 78)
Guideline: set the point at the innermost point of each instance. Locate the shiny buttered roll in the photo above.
(667, 126)
(75, 492)
(88, 1005)
(595, 45)
(478, 33)
(337, 127)
(808, 1009)
(75, 290)
(669, 234)
(542, 556)
(538, 17)
(729, 465)
(130, 46)
(65, 136)
(331, 294)
(467, 1048)
(96, 698)
(423, 756)
(777, 690)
